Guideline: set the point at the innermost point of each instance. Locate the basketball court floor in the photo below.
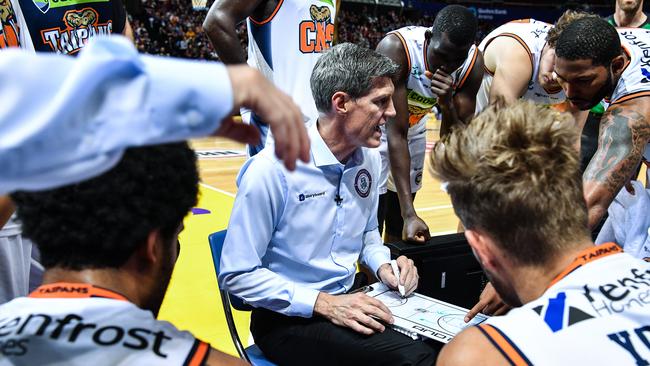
(192, 302)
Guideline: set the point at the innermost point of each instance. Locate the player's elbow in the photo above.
(216, 23)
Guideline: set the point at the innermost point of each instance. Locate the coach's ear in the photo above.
(428, 34)
(340, 102)
(618, 65)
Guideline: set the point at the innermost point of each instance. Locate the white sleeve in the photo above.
(66, 119)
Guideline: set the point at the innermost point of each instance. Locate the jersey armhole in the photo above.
(516, 38)
(469, 69)
(198, 354)
(508, 349)
(262, 22)
(406, 49)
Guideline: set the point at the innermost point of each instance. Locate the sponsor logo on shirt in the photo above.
(629, 292)
(302, 196)
(363, 183)
(81, 25)
(9, 30)
(419, 106)
(16, 334)
(644, 47)
(317, 33)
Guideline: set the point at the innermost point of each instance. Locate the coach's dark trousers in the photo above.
(316, 341)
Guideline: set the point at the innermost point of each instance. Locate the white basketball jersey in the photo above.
(286, 46)
(531, 34)
(420, 97)
(79, 324)
(596, 312)
(421, 101)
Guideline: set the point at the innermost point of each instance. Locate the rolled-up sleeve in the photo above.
(258, 208)
(66, 119)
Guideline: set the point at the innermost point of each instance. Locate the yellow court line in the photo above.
(192, 301)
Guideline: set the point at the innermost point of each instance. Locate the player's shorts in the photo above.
(390, 214)
(417, 147)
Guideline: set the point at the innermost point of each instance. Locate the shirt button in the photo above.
(193, 118)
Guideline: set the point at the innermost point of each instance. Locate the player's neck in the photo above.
(334, 138)
(629, 19)
(531, 282)
(111, 279)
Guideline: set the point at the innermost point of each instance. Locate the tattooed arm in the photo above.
(624, 133)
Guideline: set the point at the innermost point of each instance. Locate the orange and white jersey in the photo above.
(596, 312)
(421, 101)
(531, 34)
(419, 95)
(79, 324)
(286, 46)
(635, 80)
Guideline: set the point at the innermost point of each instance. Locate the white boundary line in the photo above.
(433, 208)
(217, 190)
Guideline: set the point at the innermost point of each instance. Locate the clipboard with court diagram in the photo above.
(422, 316)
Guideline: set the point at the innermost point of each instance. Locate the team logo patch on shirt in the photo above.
(81, 25)
(363, 183)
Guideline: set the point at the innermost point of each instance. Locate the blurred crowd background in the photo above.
(173, 27)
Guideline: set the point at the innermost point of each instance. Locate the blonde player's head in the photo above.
(513, 174)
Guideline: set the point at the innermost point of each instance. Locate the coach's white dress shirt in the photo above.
(293, 234)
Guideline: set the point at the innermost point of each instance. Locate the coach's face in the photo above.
(367, 113)
(584, 83)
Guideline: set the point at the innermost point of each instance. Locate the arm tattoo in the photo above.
(623, 136)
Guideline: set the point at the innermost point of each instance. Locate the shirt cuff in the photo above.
(303, 301)
(377, 259)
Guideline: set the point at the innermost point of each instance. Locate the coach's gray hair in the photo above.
(350, 69)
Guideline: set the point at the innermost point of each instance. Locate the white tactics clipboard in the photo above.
(422, 316)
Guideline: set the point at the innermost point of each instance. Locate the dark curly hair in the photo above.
(458, 22)
(100, 222)
(590, 38)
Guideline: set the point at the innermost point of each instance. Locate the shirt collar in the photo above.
(75, 290)
(588, 255)
(322, 155)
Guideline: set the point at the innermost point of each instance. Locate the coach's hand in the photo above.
(358, 312)
(489, 303)
(252, 90)
(408, 275)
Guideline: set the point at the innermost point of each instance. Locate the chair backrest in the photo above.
(216, 247)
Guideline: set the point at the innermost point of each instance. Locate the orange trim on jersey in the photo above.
(586, 256)
(644, 93)
(469, 69)
(406, 49)
(262, 22)
(508, 349)
(424, 54)
(66, 290)
(198, 354)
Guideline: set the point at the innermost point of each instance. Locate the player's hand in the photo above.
(415, 230)
(441, 85)
(408, 275)
(489, 303)
(252, 90)
(358, 311)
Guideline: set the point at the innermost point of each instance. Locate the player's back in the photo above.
(78, 324)
(597, 314)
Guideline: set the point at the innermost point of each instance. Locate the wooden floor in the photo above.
(432, 204)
